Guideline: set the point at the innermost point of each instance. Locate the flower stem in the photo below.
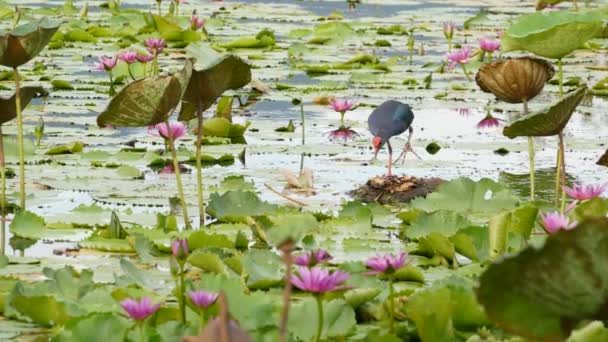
(178, 179)
(558, 175)
(20, 139)
(489, 57)
(3, 198)
(199, 168)
(112, 90)
(201, 323)
(181, 292)
(466, 72)
(130, 73)
(563, 169)
(342, 113)
(142, 335)
(302, 118)
(391, 305)
(320, 317)
(449, 44)
(286, 294)
(560, 153)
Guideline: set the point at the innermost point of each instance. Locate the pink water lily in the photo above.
(139, 310)
(313, 258)
(387, 263)
(106, 63)
(489, 45)
(488, 122)
(555, 221)
(203, 299)
(179, 248)
(175, 130)
(448, 29)
(196, 23)
(341, 105)
(461, 57)
(586, 192)
(128, 57)
(155, 45)
(144, 58)
(318, 280)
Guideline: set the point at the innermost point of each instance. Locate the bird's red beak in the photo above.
(376, 142)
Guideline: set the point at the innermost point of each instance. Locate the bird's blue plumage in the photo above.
(391, 118)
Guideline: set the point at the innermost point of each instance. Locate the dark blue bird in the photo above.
(388, 120)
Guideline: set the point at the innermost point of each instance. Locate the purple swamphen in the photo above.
(390, 119)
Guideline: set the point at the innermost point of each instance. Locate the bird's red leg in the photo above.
(390, 159)
(407, 148)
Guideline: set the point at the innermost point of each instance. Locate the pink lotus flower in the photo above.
(144, 58)
(155, 45)
(141, 310)
(313, 258)
(586, 192)
(128, 57)
(489, 45)
(448, 29)
(196, 23)
(459, 57)
(106, 63)
(202, 299)
(318, 280)
(175, 130)
(555, 221)
(488, 122)
(341, 105)
(179, 248)
(343, 134)
(386, 264)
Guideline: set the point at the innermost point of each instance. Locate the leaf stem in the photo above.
(563, 171)
(3, 198)
(178, 177)
(199, 167)
(531, 157)
(20, 139)
(319, 300)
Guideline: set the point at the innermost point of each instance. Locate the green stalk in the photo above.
(466, 72)
(178, 178)
(130, 73)
(563, 169)
(3, 198)
(302, 118)
(199, 168)
(560, 77)
(342, 113)
(320, 317)
(142, 336)
(391, 305)
(560, 153)
(201, 323)
(531, 156)
(450, 45)
(181, 292)
(489, 57)
(20, 139)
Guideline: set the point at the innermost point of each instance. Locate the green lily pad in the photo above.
(236, 206)
(552, 35)
(339, 320)
(146, 101)
(71, 148)
(212, 75)
(549, 121)
(543, 293)
(7, 105)
(518, 221)
(25, 42)
(263, 39)
(264, 269)
(466, 196)
(444, 222)
(61, 85)
(96, 327)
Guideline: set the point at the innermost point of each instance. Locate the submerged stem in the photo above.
(20, 139)
(3, 198)
(199, 168)
(178, 179)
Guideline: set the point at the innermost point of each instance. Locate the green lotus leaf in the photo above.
(147, 101)
(549, 121)
(220, 127)
(263, 39)
(213, 74)
(25, 42)
(553, 287)
(236, 206)
(7, 105)
(603, 161)
(553, 34)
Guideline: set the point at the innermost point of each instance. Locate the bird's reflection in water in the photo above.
(352, 4)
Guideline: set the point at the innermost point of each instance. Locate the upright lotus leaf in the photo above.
(515, 80)
(7, 105)
(549, 121)
(603, 161)
(553, 34)
(543, 293)
(147, 101)
(213, 74)
(26, 41)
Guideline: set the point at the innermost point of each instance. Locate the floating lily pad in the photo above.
(146, 101)
(71, 148)
(553, 34)
(236, 206)
(549, 121)
(263, 39)
(554, 287)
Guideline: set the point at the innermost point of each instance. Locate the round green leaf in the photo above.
(553, 34)
(549, 121)
(543, 293)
